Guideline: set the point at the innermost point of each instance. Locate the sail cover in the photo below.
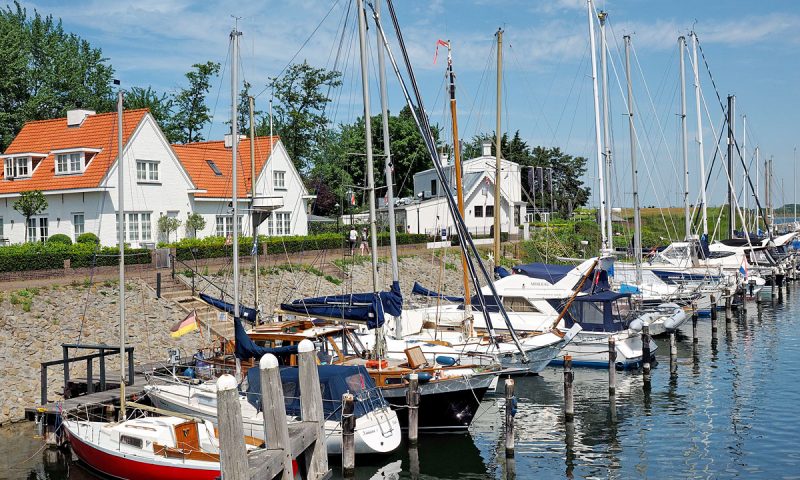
(249, 314)
(555, 273)
(420, 290)
(366, 307)
(247, 348)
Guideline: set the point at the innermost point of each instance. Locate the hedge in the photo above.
(43, 256)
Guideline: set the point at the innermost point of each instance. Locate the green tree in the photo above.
(194, 223)
(191, 112)
(167, 225)
(30, 203)
(301, 96)
(160, 107)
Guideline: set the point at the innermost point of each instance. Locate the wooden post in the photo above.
(65, 351)
(694, 327)
(646, 353)
(511, 411)
(102, 369)
(774, 286)
(713, 309)
(89, 376)
(158, 285)
(348, 436)
(232, 450)
(412, 400)
(316, 459)
(43, 387)
(130, 366)
(673, 354)
(612, 366)
(569, 402)
(276, 430)
(728, 309)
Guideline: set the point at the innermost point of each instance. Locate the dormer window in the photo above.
(17, 167)
(67, 163)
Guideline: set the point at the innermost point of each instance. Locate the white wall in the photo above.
(292, 194)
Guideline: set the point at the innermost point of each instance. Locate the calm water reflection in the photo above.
(731, 411)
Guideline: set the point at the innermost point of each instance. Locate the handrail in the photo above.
(196, 272)
(104, 351)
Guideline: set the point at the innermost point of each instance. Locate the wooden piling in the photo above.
(511, 410)
(276, 430)
(612, 366)
(774, 285)
(412, 400)
(728, 309)
(713, 308)
(348, 436)
(694, 327)
(158, 285)
(673, 354)
(233, 452)
(569, 401)
(314, 459)
(646, 354)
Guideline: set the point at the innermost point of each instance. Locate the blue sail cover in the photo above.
(420, 290)
(249, 314)
(370, 307)
(247, 348)
(501, 272)
(555, 273)
(334, 380)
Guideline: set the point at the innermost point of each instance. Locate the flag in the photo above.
(436, 53)
(188, 324)
(743, 267)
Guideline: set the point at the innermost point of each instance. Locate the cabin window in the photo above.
(131, 441)
(146, 171)
(518, 304)
(78, 224)
(279, 179)
(355, 383)
(479, 211)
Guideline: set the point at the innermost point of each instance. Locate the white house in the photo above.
(428, 212)
(73, 161)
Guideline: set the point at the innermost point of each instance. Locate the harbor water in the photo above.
(730, 412)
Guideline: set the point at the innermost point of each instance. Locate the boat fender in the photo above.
(636, 325)
(513, 406)
(422, 377)
(189, 372)
(445, 360)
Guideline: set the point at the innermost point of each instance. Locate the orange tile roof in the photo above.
(98, 131)
(194, 157)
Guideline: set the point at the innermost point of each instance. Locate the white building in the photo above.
(73, 161)
(428, 212)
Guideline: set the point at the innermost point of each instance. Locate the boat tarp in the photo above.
(501, 272)
(597, 312)
(370, 307)
(249, 314)
(334, 381)
(555, 273)
(420, 290)
(247, 348)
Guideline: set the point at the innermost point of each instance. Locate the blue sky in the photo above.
(751, 47)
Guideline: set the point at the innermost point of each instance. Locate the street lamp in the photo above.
(337, 207)
(584, 243)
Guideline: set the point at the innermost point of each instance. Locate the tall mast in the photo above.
(121, 236)
(387, 153)
(457, 162)
(731, 218)
(685, 140)
(373, 233)
(794, 183)
(251, 103)
(758, 193)
(498, 153)
(699, 135)
(602, 16)
(743, 156)
(599, 146)
(637, 233)
(234, 150)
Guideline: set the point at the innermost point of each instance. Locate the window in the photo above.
(518, 304)
(37, 229)
(479, 211)
(146, 171)
(2, 233)
(214, 168)
(133, 227)
(433, 188)
(279, 223)
(279, 179)
(17, 167)
(220, 229)
(78, 225)
(131, 441)
(224, 225)
(490, 210)
(137, 227)
(69, 163)
(145, 224)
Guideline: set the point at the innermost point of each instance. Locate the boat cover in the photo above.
(249, 314)
(370, 307)
(420, 290)
(555, 273)
(247, 348)
(596, 312)
(334, 380)
(501, 272)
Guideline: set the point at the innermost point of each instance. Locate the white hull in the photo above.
(590, 349)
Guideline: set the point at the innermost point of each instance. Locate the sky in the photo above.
(751, 49)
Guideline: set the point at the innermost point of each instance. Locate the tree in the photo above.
(191, 111)
(167, 225)
(160, 107)
(194, 223)
(30, 203)
(299, 114)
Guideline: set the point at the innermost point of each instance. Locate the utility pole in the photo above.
(685, 141)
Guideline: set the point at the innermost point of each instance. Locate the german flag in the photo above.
(185, 326)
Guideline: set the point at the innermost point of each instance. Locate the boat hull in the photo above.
(590, 349)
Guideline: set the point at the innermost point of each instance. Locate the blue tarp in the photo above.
(501, 272)
(247, 348)
(369, 307)
(249, 314)
(334, 381)
(595, 313)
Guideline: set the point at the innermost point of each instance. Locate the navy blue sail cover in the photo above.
(334, 381)
(420, 290)
(247, 348)
(249, 314)
(501, 272)
(555, 273)
(370, 307)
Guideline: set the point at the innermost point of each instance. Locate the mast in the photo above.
(743, 156)
(794, 184)
(498, 153)
(598, 144)
(235, 34)
(637, 232)
(685, 141)
(387, 153)
(731, 218)
(758, 193)
(602, 16)
(121, 236)
(362, 40)
(699, 135)
(251, 102)
(457, 163)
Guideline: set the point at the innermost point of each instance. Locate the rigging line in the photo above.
(301, 47)
(541, 103)
(480, 88)
(578, 74)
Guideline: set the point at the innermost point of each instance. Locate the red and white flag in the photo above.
(436, 53)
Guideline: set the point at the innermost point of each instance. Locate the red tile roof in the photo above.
(98, 131)
(195, 156)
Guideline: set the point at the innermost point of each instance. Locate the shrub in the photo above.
(42, 256)
(60, 238)
(88, 237)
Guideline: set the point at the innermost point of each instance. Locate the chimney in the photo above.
(229, 139)
(76, 117)
(443, 158)
(487, 148)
